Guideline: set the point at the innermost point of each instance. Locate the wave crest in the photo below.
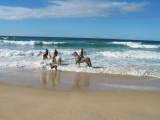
(31, 42)
(137, 45)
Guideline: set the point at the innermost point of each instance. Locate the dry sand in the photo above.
(18, 102)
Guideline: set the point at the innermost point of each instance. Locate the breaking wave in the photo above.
(137, 45)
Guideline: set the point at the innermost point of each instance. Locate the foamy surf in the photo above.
(138, 58)
(137, 45)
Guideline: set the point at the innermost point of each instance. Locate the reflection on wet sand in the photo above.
(81, 81)
(50, 77)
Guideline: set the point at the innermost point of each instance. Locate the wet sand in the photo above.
(36, 95)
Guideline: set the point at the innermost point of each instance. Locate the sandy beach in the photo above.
(76, 96)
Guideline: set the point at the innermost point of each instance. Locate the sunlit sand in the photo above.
(39, 95)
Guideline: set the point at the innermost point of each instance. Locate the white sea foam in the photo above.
(137, 45)
(31, 42)
(132, 54)
(2, 38)
(49, 43)
(21, 42)
(110, 62)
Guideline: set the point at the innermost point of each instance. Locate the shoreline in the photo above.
(69, 81)
(39, 95)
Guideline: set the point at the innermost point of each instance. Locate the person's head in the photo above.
(81, 48)
(46, 48)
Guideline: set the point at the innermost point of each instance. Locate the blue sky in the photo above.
(115, 19)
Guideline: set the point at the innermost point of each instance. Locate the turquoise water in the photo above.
(129, 57)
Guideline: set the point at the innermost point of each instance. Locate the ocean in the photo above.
(113, 56)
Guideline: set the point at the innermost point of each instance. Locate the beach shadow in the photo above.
(49, 77)
(97, 67)
(64, 64)
(81, 81)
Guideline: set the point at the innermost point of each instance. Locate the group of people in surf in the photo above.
(56, 53)
(46, 53)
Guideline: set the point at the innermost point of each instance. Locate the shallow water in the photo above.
(69, 81)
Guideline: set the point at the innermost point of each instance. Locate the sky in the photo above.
(111, 19)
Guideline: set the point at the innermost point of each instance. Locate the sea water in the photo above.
(113, 56)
